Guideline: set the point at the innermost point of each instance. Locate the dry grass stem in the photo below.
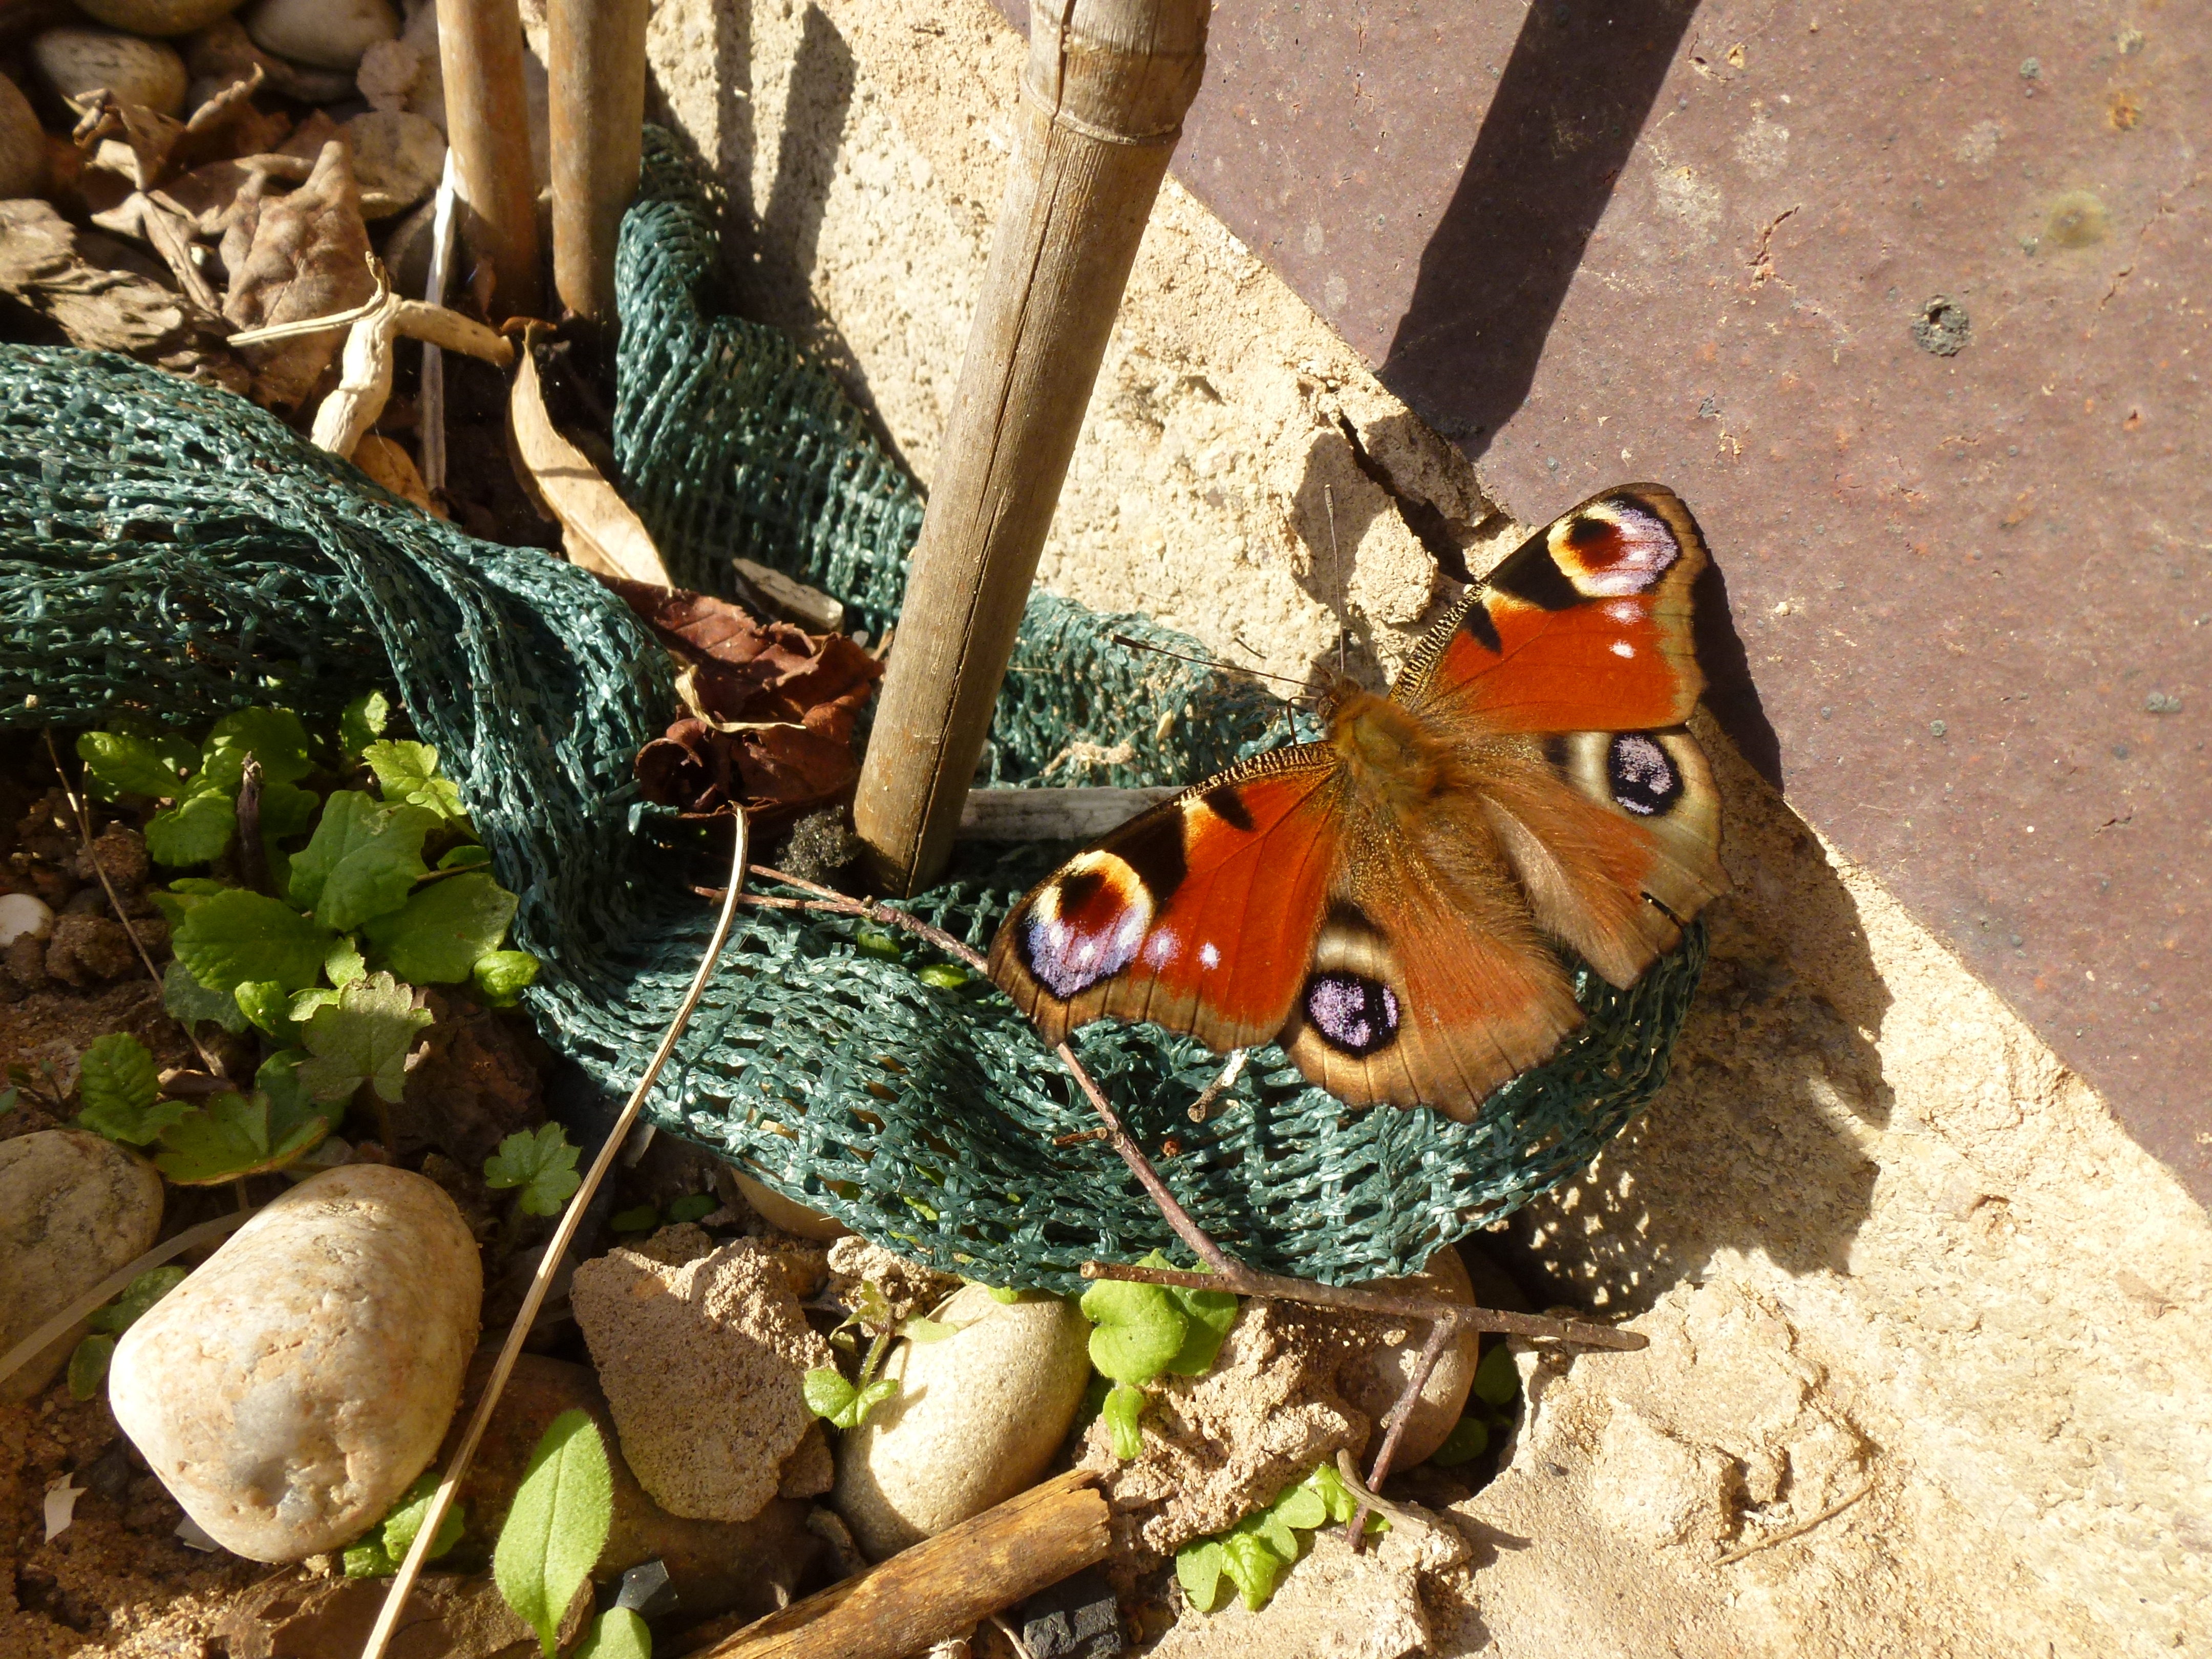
(402, 1584)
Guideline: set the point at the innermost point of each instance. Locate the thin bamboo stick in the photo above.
(598, 48)
(1103, 97)
(488, 124)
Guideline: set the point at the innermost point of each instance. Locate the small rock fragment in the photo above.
(75, 62)
(222, 54)
(158, 17)
(387, 75)
(909, 1286)
(121, 855)
(74, 1208)
(397, 159)
(702, 1365)
(978, 1416)
(290, 1388)
(785, 1214)
(328, 35)
(24, 916)
(22, 145)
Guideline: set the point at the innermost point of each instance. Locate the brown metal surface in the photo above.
(1911, 304)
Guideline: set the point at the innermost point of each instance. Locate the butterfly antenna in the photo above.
(1343, 583)
(1208, 662)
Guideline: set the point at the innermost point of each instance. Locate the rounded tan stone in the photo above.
(1375, 1375)
(75, 62)
(157, 17)
(290, 1388)
(74, 1208)
(787, 1214)
(327, 33)
(977, 1418)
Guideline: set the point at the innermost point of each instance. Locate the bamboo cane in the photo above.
(598, 48)
(1103, 97)
(487, 124)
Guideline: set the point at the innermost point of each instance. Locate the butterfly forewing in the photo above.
(1201, 915)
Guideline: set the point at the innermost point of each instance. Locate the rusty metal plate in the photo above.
(1911, 304)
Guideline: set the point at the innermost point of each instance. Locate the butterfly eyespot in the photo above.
(1622, 549)
(1352, 1012)
(1642, 776)
(1085, 927)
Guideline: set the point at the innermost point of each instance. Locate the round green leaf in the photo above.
(1497, 1379)
(439, 935)
(237, 936)
(1137, 1329)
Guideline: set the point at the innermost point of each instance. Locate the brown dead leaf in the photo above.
(745, 672)
(127, 139)
(40, 265)
(224, 51)
(169, 232)
(772, 708)
(307, 257)
(598, 529)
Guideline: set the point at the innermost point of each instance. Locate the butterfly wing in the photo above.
(1575, 660)
(1199, 915)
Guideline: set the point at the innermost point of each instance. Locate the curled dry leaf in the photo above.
(598, 529)
(387, 464)
(771, 708)
(145, 146)
(364, 382)
(108, 310)
(307, 257)
(169, 232)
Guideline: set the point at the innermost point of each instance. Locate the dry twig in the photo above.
(1797, 1531)
(114, 1284)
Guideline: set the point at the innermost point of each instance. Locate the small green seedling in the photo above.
(87, 1366)
(693, 1206)
(234, 1135)
(558, 1525)
(1138, 1331)
(379, 1552)
(1489, 1411)
(843, 1404)
(119, 1092)
(542, 1166)
(881, 943)
(618, 1633)
(1254, 1554)
(362, 722)
(642, 1218)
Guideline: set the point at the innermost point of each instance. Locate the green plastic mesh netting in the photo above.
(168, 550)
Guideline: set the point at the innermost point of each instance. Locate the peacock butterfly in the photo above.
(1383, 902)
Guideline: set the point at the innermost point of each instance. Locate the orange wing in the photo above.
(1201, 915)
(1584, 627)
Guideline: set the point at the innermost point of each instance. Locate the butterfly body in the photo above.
(1385, 902)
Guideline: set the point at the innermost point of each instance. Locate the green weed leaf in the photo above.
(642, 1219)
(557, 1525)
(500, 976)
(364, 1037)
(286, 810)
(235, 1135)
(1006, 1293)
(1124, 1406)
(119, 1092)
(942, 975)
(1136, 1329)
(1301, 1507)
(1210, 1313)
(88, 1365)
(196, 828)
(693, 1206)
(140, 1294)
(236, 936)
(123, 765)
(1336, 1497)
(826, 1392)
(265, 1003)
(1468, 1440)
(363, 860)
(1497, 1379)
(1198, 1569)
(871, 940)
(544, 1165)
(274, 737)
(409, 772)
(361, 722)
(341, 964)
(191, 1002)
(919, 1329)
(469, 855)
(439, 935)
(618, 1633)
(1252, 1564)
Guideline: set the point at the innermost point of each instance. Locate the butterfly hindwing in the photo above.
(1199, 915)
(1584, 627)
